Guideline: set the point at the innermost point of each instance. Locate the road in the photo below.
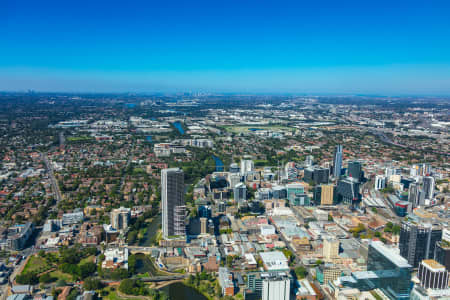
(55, 186)
(12, 277)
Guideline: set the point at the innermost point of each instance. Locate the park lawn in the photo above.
(79, 138)
(87, 259)
(246, 128)
(36, 264)
(138, 171)
(113, 295)
(60, 275)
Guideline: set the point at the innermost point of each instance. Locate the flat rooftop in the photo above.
(390, 254)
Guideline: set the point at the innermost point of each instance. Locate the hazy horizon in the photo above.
(255, 47)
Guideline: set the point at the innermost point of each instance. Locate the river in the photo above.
(143, 262)
(179, 291)
(152, 230)
(219, 164)
(179, 127)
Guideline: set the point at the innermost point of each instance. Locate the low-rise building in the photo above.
(115, 258)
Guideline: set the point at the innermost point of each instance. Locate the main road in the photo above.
(55, 186)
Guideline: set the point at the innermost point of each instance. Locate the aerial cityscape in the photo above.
(207, 150)
(221, 197)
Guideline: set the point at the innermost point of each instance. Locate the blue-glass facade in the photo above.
(393, 272)
(386, 270)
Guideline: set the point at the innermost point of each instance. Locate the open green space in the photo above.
(60, 275)
(80, 138)
(68, 264)
(36, 264)
(247, 128)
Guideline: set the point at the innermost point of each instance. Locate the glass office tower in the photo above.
(393, 271)
(386, 270)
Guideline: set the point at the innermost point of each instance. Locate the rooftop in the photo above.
(390, 254)
(433, 265)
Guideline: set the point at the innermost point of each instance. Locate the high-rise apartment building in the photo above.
(418, 241)
(246, 166)
(276, 286)
(240, 193)
(337, 161)
(203, 225)
(173, 205)
(416, 195)
(380, 182)
(428, 187)
(120, 218)
(327, 194)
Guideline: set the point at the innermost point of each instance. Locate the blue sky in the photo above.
(342, 47)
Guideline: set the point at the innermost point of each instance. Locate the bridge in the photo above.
(162, 278)
(139, 249)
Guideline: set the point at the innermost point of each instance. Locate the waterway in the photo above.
(145, 265)
(179, 127)
(143, 262)
(152, 231)
(219, 164)
(179, 291)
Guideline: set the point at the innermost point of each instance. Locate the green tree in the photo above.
(45, 278)
(87, 269)
(301, 272)
(91, 284)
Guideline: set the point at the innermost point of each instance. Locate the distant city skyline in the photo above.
(321, 47)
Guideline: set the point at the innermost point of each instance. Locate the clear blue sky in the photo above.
(383, 47)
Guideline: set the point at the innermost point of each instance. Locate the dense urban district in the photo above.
(198, 196)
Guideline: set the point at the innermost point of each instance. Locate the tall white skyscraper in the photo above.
(276, 287)
(428, 187)
(173, 206)
(246, 166)
(380, 182)
(337, 162)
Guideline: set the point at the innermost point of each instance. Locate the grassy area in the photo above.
(138, 171)
(87, 259)
(79, 138)
(60, 275)
(36, 264)
(158, 236)
(113, 295)
(246, 128)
